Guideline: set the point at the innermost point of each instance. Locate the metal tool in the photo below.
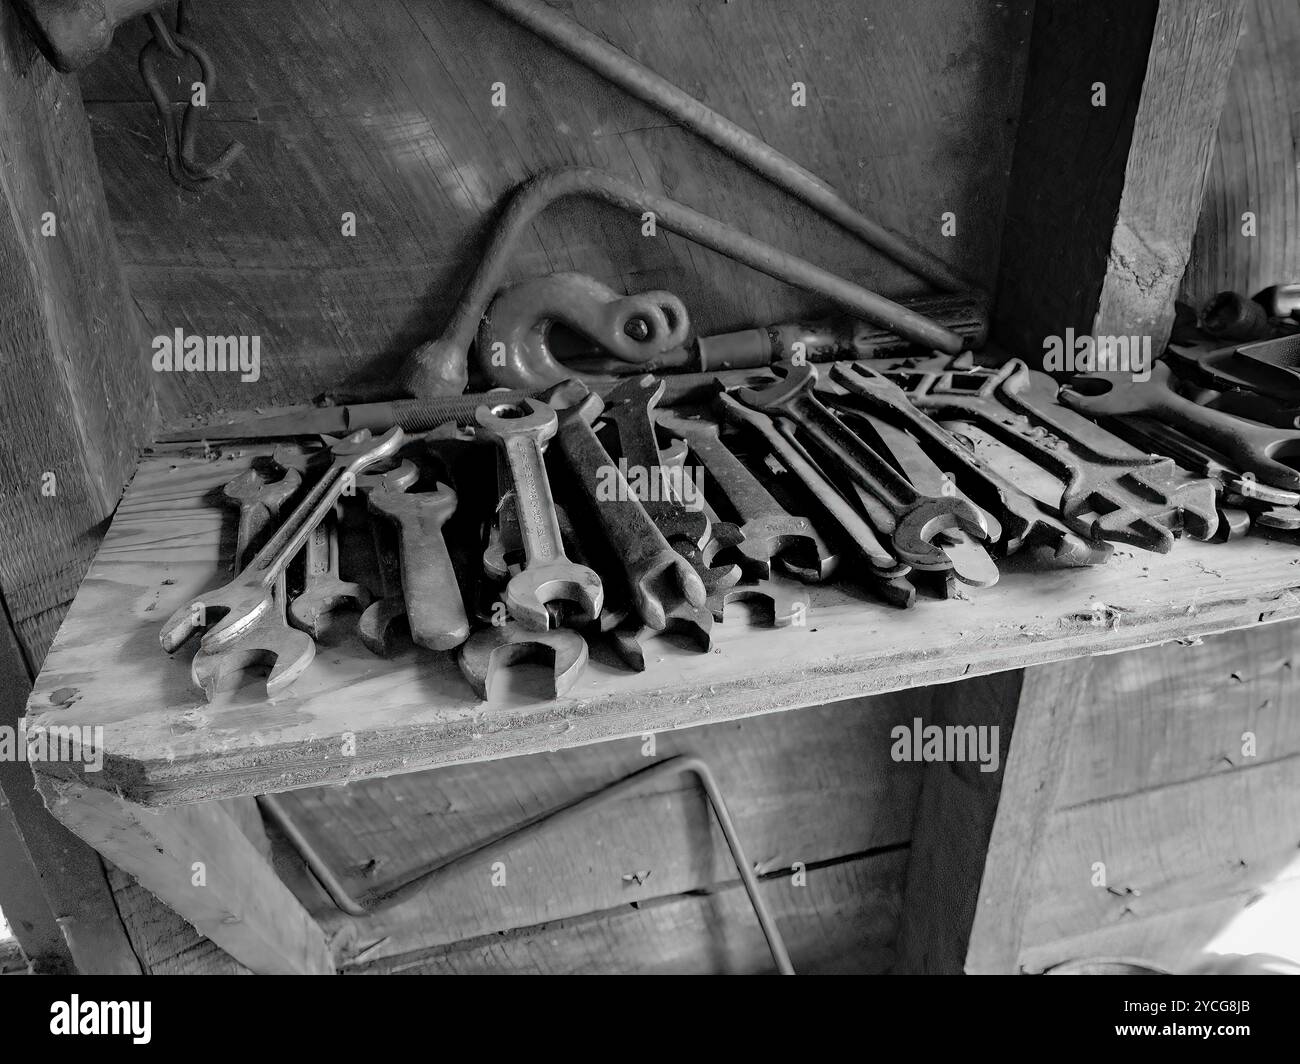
(324, 591)
(248, 596)
(435, 610)
(657, 577)
(788, 601)
(490, 650)
(723, 535)
(514, 337)
(767, 529)
(693, 622)
(180, 137)
(270, 640)
(548, 576)
(1271, 454)
(916, 520)
(501, 846)
(621, 69)
(439, 366)
(1111, 491)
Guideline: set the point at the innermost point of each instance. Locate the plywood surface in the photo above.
(165, 744)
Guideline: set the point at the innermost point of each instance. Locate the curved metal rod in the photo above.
(503, 844)
(439, 367)
(620, 68)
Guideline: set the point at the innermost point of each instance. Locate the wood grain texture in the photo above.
(199, 862)
(1256, 164)
(1104, 199)
(384, 109)
(1169, 849)
(810, 789)
(74, 396)
(842, 922)
(166, 745)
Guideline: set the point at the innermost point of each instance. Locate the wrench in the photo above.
(658, 577)
(722, 534)
(696, 623)
(497, 647)
(788, 601)
(548, 575)
(434, 607)
(248, 596)
(766, 527)
(323, 590)
(270, 639)
(917, 520)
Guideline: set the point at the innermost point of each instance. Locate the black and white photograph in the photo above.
(650, 488)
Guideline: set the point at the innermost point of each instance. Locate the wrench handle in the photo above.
(534, 504)
(434, 607)
(862, 462)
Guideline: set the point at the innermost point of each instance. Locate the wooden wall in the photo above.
(383, 108)
(1256, 166)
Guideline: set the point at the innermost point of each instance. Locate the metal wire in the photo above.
(427, 879)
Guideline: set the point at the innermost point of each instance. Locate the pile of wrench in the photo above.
(576, 518)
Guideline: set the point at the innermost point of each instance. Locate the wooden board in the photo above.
(166, 745)
(842, 922)
(383, 109)
(1256, 165)
(812, 788)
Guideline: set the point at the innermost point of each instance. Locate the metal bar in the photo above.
(502, 845)
(624, 71)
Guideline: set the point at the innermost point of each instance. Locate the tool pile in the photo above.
(573, 517)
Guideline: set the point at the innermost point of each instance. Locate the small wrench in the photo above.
(258, 503)
(490, 650)
(548, 575)
(434, 607)
(658, 577)
(248, 596)
(917, 519)
(323, 589)
(766, 527)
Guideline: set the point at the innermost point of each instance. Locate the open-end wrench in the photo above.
(630, 406)
(917, 519)
(435, 610)
(767, 528)
(694, 622)
(245, 598)
(490, 650)
(722, 534)
(658, 578)
(789, 601)
(269, 640)
(548, 575)
(323, 589)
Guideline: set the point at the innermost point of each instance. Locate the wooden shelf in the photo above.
(166, 745)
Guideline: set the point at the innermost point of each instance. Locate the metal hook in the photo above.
(179, 138)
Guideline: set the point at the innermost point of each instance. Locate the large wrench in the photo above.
(767, 529)
(270, 639)
(917, 519)
(548, 575)
(658, 577)
(248, 596)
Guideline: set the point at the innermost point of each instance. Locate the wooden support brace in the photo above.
(198, 860)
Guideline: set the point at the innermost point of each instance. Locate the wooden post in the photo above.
(1122, 102)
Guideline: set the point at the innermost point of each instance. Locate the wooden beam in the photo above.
(1105, 194)
(198, 860)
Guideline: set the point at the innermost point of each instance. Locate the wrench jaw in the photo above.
(666, 577)
(380, 623)
(287, 652)
(926, 521)
(490, 651)
(310, 609)
(533, 589)
(787, 602)
(794, 539)
(695, 623)
(237, 609)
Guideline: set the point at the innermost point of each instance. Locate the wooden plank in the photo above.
(164, 548)
(1255, 166)
(807, 790)
(1138, 162)
(1169, 848)
(841, 922)
(1179, 712)
(76, 399)
(23, 904)
(954, 818)
(1050, 697)
(910, 113)
(199, 862)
